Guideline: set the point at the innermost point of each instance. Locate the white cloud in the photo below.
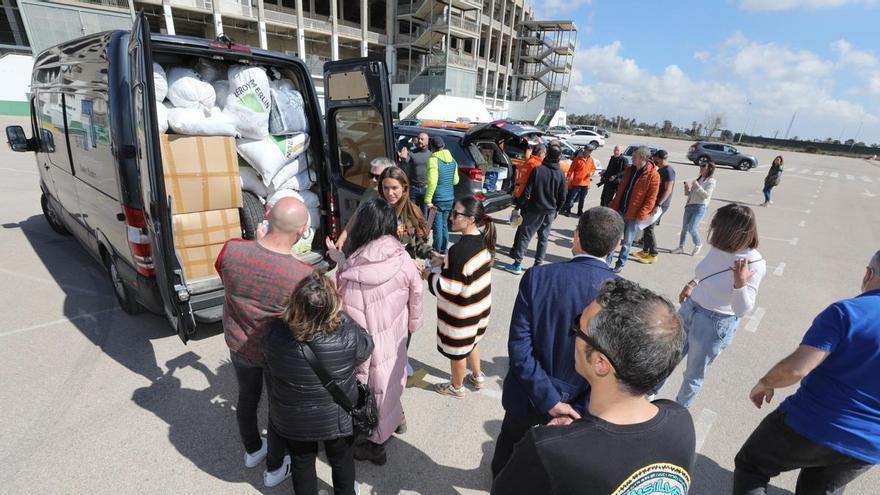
(777, 5)
(852, 57)
(702, 56)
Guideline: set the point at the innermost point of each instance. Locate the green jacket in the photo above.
(446, 190)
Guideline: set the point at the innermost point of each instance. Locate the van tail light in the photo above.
(139, 242)
(474, 174)
(334, 221)
(479, 196)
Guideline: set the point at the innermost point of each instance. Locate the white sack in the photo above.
(304, 244)
(251, 181)
(270, 154)
(162, 118)
(288, 172)
(299, 182)
(221, 89)
(160, 82)
(288, 113)
(311, 200)
(249, 101)
(200, 122)
(186, 90)
(210, 71)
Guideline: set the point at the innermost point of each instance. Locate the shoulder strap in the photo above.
(329, 384)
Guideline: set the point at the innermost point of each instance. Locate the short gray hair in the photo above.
(875, 262)
(644, 151)
(381, 162)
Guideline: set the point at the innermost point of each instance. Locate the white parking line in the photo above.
(804, 171)
(812, 203)
(49, 282)
(81, 316)
(834, 175)
(815, 196)
(703, 425)
(780, 268)
(820, 172)
(866, 179)
(755, 320)
(803, 223)
(850, 177)
(793, 241)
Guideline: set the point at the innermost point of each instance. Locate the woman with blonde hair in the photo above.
(303, 411)
(723, 290)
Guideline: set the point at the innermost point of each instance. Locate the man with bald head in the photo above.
(611, 176)
(258, 278)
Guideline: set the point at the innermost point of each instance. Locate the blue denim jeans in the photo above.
(441, 225)
(692, 216)
(766, 191)
(708, 333)
(630, 227)
(417, 195)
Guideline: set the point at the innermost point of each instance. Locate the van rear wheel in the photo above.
(252, 213)
(51, 217)
(122, 292)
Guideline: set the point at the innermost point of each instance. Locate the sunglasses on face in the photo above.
(458, 214)
(575, 331)
(375, 176)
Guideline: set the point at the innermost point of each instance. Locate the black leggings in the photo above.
(340, 455)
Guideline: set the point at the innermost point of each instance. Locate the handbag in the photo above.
(364, 414)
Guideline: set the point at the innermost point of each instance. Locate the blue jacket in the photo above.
(541, 352)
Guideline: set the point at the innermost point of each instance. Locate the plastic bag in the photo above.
(160, 82)
(249, 101)
(251, 181)
(299, 182)
(221, 89)
(288, 114)
(186, 90)
(200, 122)
(268, 156)
(210, 71)
(162, 118)
(290, 170)
(304, 244)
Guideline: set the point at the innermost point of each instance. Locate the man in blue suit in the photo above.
(542, 383)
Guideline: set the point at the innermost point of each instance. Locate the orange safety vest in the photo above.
(523, 171)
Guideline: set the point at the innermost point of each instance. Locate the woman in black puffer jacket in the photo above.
(302, 412)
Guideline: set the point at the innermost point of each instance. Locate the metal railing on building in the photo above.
(196, 4)
(280, 14)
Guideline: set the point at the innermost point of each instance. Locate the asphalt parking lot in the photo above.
(98, 401)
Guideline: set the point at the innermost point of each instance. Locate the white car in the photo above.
(584, 137)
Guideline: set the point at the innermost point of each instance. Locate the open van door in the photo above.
(357, 106)
(155, 223)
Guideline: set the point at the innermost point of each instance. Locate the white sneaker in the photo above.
(251, 460)
(696, 250)
(678, 250)
(274, 478)
(409, 369)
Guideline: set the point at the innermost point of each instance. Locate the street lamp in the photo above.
(748, 116)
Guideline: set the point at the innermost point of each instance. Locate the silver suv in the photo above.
(721, 154)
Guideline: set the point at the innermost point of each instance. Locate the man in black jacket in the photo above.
(540, 203)
(626, 342)
(611, 176)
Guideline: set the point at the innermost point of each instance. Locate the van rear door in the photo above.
(157, 211)
(357, 108)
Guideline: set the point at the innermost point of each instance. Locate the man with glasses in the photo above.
(377, 166)
(626, 341)
(542, 383)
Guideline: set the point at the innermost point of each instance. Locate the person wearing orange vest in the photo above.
(579, 173)
(524, 169)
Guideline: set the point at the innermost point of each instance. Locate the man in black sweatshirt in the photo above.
(540, 203)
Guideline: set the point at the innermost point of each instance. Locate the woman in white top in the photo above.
(723, 291)
(699, 192)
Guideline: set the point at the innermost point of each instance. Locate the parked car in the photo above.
(559, 130)
(721, 154)
(628, 152)
(101, 173)
(495, 145)
(409, 122)
(604, 133)
(584, 137)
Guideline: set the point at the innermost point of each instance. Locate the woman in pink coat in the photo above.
(381, 288)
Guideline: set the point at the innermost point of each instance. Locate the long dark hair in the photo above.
(374, 218)
(314, 308)
(406, 210)
(778, 161)
(474, 208)
(710, 169)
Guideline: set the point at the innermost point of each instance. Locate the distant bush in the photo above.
(812, 149)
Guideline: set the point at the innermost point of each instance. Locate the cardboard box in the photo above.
(201, 173)
(198, 262)
(206, 227)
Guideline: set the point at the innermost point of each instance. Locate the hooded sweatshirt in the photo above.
(442, 177)
(382, 291)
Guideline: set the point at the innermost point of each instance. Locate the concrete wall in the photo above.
(15, 84)
(450, 108)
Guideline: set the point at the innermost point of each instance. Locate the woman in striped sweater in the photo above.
(464, 294)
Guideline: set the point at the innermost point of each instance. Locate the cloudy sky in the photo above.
(757, 62)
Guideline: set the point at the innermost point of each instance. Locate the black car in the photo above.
(97, 146)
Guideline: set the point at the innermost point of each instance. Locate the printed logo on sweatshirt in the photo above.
(658, 478)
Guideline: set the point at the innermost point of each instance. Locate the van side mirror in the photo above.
(16, 138)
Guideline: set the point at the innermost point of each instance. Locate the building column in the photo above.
(365, 24)
(169, 19)
(300, 32)
(334, 29)
(509, 50)
(488, 50)
(498, 58)
(218, 19)
(390, 33)
(261, 25)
